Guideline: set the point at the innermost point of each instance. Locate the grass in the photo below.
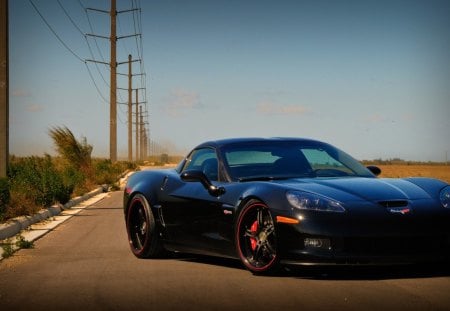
(21, 242)
(9, 247)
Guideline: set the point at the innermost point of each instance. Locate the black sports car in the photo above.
(280, 201)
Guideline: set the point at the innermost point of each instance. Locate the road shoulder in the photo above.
(31, 228)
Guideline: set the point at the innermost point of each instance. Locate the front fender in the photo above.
(272, 195)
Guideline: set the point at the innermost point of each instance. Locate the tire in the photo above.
(143, 235)
(256, 239)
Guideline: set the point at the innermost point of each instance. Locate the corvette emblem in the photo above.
(399, 210)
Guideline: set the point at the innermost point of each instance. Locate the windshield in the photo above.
(289, 159)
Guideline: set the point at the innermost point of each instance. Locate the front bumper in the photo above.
(367, 250)
(373, 241)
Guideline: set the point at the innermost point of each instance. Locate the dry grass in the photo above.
(441, 172)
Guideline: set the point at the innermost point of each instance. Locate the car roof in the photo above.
(249, 140)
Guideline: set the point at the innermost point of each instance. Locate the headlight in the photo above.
(445, 197)
(315, 202)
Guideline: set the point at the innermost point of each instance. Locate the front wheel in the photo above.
(141, 228)
(256, 239)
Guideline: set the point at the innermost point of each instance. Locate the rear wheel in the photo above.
(256, 239)
(141, 227)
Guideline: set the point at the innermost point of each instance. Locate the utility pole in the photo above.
(113, 77)
(4, 86)
(146, 145)
(141, 134)
(137, 126)
(113, 87)
(130, 111)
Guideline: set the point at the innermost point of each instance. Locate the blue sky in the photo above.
(371, 77)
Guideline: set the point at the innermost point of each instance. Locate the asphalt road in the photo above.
(85, 264)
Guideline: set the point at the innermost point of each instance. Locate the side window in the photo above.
(204, 159)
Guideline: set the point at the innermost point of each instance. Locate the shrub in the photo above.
(104, 172)
(38, 180)
(107, 172)
(21, 204)
(4, 196)
(74, 180)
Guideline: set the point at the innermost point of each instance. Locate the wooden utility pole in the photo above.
(113, 87)
(4, 86)
(145, 144)
(130, 111)
(141, 134)
(113, 77)
(137, 126)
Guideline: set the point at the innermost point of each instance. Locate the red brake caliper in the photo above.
(253, 230)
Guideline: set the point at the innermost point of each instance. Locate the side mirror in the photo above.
(374, 169)
(199, 176)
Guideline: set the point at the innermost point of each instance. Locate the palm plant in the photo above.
(76, 153)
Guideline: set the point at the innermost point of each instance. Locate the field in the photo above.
(441, 172)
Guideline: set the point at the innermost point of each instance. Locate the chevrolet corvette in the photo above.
(285, 201)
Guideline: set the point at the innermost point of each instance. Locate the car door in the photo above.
(192, 216)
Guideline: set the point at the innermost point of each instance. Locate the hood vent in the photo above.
(393, 203)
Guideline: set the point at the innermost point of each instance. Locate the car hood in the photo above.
(355, 188)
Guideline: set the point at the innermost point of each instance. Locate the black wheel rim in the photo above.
(257, 238)
(138, 226)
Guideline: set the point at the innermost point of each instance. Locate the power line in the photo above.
(54, 32)
(136, 25)
(95, 84)
(96, 44)
(92, 30)
(90, 50)
(70, 18)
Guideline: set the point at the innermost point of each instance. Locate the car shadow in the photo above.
(332, 272)
(208, 260)
(367, 272)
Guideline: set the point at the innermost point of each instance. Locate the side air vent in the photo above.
(393, 203)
